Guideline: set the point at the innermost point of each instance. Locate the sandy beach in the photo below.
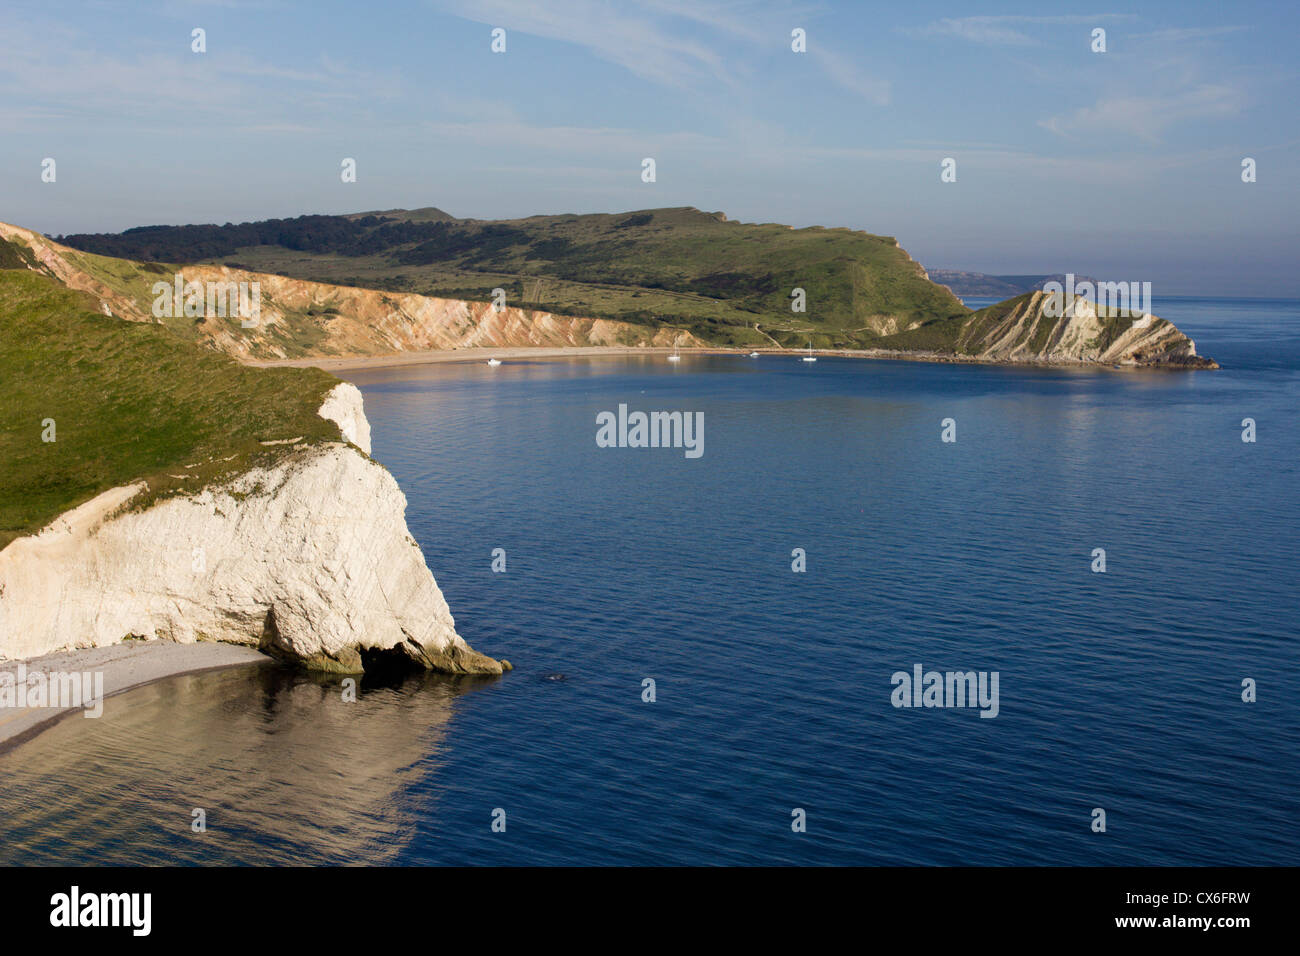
(124, 667)
(519, 353)
(522, 353)
(438, 356)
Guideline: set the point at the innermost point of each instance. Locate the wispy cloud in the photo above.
(1185, 34)
(617, 144)
(1158, 80)
(774, 152)
(849, 76)
(633, 38)
(1148, 117)
(672, 43)
(1009, 30)
(151, 87)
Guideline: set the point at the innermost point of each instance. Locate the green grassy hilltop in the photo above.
(129, 401)
(658, 267)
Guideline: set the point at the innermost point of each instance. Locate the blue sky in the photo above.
(1123, 165)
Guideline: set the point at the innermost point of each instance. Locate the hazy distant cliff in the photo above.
(966, 284)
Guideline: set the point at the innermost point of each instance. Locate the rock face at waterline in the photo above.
(1043, 329)
(309, 559)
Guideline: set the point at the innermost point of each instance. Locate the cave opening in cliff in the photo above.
(387, 667)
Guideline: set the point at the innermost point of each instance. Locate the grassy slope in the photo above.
(674, 267)
(130, 401)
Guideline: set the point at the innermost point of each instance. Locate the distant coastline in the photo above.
(352, 363)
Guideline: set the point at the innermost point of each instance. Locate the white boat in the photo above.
(753, 355)
(809, 357)
(494, 361)
(674, 357)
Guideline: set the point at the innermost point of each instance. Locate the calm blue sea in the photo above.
(1120, 690)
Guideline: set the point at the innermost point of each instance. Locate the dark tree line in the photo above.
(316, 234)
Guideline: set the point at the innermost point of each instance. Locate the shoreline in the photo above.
(350, 363)
(125, 666)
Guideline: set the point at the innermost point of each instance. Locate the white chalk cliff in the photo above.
(310, 560)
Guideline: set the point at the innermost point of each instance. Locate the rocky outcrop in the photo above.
(345, 407)
(1028, 330)
(302, 318)
(309, 560)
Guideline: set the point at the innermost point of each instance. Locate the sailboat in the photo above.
(675, 357)
(810, 357)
